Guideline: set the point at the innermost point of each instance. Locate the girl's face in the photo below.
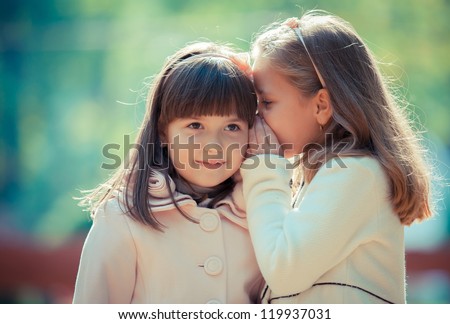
(290, 114)
(207, 150)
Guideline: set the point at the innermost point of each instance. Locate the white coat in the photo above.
(124, 261)
(340, 243)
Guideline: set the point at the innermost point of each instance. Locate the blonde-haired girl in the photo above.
(361, 166)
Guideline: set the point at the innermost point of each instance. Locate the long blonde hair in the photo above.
(367, 118)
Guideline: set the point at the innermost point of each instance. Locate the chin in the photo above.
(288, 154)
(208, 183)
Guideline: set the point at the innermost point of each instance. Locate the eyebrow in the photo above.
(259, 91)
(264, 93)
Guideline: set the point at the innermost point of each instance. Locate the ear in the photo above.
(324, 110)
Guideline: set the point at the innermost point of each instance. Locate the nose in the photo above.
(213, 146)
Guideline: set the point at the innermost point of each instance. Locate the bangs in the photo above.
(207, 86)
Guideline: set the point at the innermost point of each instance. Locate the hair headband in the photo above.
(293, 23)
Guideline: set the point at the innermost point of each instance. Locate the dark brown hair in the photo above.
(200, 79)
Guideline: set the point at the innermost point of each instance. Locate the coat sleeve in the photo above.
(295, 247)
(108, 261)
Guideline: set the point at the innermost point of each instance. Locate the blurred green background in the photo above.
(72, 76)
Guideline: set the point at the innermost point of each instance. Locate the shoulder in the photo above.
(353, 175)
(111, 231)
(113, 211)
(364, 167)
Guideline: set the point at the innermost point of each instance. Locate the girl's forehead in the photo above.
(264, 76)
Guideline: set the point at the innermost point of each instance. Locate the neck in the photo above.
(199, 193)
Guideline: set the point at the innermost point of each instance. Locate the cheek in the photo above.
(235, 148)
(234, 158)
(281, 124)
(308, 131)
(181, 151)
(272, 120)
(178, 159)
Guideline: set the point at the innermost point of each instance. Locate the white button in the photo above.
(213, 301)
(213, 266)
(209, 222)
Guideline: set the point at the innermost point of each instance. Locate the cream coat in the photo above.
(341, 243)
(213, 261)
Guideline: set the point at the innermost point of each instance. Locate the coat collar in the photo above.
(231, 207)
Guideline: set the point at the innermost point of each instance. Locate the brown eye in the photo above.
(195, 125)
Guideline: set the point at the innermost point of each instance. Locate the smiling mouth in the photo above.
(212, 165)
